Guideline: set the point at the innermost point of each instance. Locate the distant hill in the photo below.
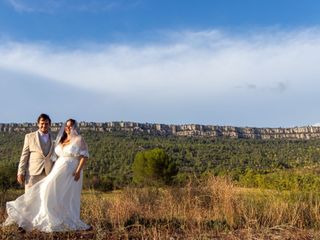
(191, 130)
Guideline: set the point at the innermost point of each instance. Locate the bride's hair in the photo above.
(64, 135)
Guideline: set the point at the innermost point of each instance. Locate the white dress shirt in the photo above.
(44, 137)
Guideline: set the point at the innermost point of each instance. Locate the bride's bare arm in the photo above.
(77, 173)
(84, 154)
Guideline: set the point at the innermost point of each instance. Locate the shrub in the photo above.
(7, 177)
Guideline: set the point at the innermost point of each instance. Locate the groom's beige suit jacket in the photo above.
(33, 159)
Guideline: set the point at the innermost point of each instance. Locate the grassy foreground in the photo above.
(204, 209)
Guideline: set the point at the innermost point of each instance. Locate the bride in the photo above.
(53, 204)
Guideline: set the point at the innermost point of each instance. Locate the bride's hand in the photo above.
(76, 175)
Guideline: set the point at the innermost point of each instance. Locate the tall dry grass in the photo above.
(203, 209)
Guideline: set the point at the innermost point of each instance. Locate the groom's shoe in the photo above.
(89, 229)
(21, 230)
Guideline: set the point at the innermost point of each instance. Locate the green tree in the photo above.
(153, 167)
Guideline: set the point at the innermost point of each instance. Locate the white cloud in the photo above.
(229, 75)
(192, 62)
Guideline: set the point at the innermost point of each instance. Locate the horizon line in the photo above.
(168, 124)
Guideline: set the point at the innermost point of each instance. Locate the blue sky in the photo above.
(226, 62)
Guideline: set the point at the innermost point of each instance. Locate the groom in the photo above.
(35, 162)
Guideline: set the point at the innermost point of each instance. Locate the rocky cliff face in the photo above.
(192, 130)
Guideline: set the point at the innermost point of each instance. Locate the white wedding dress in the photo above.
(53, 204)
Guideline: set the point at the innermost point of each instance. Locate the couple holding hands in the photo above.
(51, 172)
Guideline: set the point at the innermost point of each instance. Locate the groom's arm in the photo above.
(23, 160)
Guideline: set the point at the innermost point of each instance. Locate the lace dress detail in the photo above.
(53, 204)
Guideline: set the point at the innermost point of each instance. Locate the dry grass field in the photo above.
(208, 209)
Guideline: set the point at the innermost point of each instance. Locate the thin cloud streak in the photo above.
(20, 6)
(53, 6)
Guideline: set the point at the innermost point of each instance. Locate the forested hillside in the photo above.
(112, 155)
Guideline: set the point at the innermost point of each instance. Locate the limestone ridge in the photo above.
(190, 130)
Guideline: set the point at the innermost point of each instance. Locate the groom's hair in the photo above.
(44, 117)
